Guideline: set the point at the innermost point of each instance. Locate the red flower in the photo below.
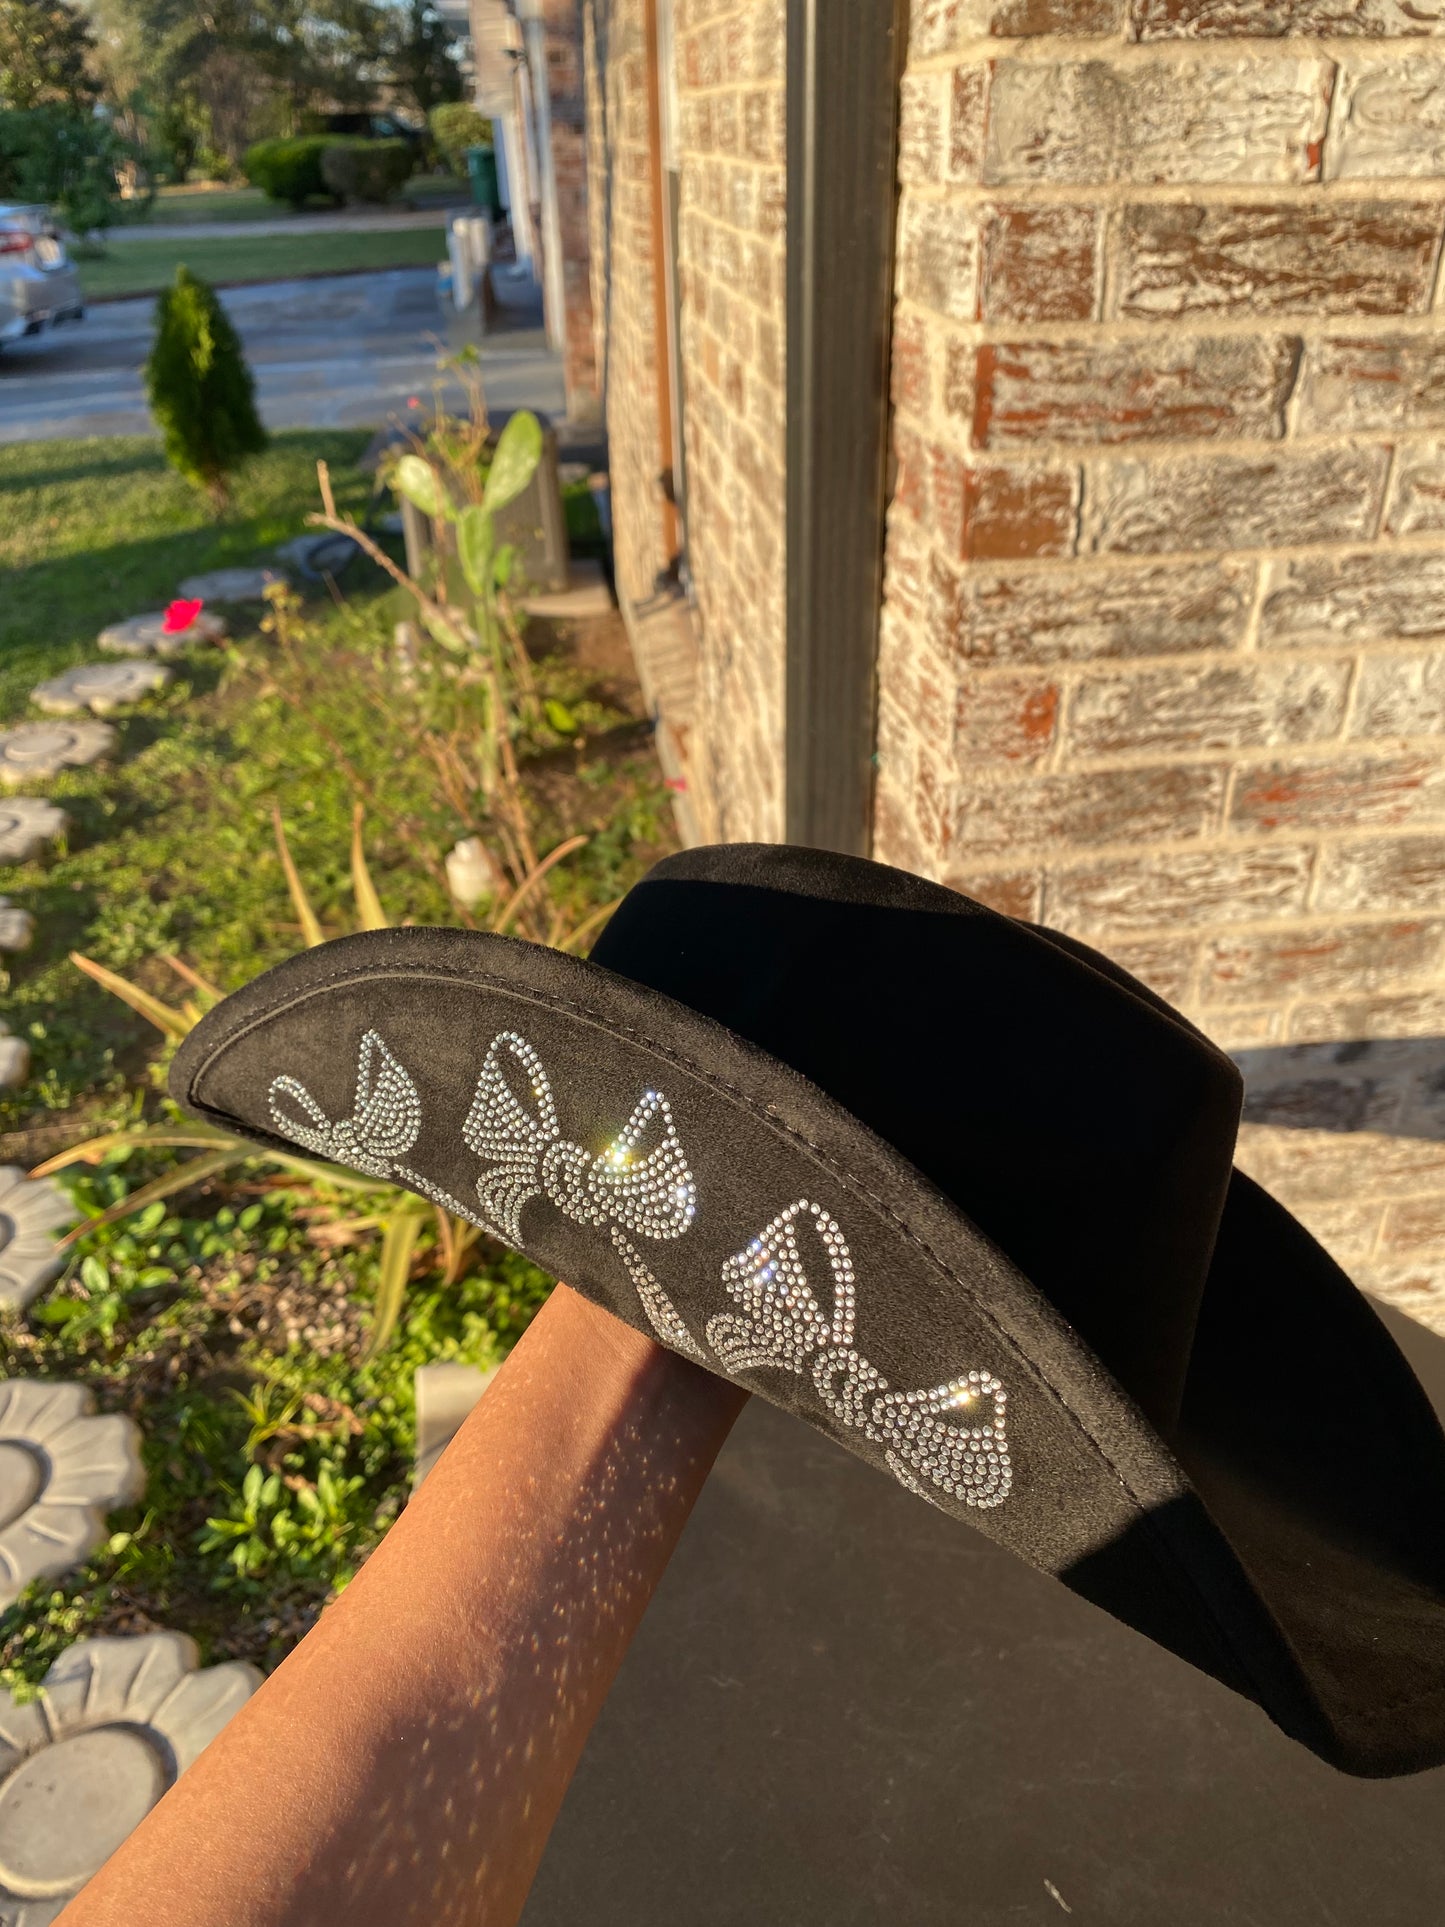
(179, 616)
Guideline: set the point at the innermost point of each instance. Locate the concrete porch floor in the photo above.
(843, 1709)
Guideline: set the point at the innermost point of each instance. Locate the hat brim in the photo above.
(710, 1195)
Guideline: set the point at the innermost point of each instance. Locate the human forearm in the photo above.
(407, 1761)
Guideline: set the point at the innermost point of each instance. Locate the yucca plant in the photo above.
(398, 1216)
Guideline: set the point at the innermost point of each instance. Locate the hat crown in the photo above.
(1081, 1124)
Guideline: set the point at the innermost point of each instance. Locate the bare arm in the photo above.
(406, 1762)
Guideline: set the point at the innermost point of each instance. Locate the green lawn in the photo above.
(180, 206)
(91, 531)
(175, 206)
(228, 1320)
(144, 267)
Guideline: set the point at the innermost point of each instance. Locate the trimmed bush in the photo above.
(366, 170)
(201, 391)
(289, 170)
(456, 126)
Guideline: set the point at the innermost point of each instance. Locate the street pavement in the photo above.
(342, 351)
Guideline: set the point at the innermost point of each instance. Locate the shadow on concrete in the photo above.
(1394, 1085)
(845, 1709)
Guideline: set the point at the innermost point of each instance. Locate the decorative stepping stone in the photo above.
(27, 824)
(61, 1470)
(14, 1069)
(147, 635)
(116, 1722)
(37, 750)
(17, 927)
(320, 554)
(100, 687)
(32, 1210)
(229, 585)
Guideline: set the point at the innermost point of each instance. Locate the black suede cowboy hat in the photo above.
(952, 1187)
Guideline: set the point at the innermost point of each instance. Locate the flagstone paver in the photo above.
(27, 824)
(17, 926)
(100, 687)
(321, 553)
(146, 635)
(62, 1469)
(32, 1210)
(33, 751)
(117, 1721)
(229, 585)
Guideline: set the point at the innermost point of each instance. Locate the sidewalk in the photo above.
(343, 221)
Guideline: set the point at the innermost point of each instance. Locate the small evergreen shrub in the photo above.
(361, 170)
(201, 392)
(289, 170)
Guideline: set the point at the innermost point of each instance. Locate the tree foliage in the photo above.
(63, 160)
(200, 388)
(421, 57)
(209, 82)
(45, 54)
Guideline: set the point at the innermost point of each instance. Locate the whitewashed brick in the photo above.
(1171, 120)
(1388, 120)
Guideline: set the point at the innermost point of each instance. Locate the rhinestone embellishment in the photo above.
(382, 1128)
(649, 1192)
(662, 1314)
(950, 1437)
(641, 1182)
(782, 1322)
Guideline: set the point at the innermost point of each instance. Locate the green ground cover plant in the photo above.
(233, 1319)
(146, 266)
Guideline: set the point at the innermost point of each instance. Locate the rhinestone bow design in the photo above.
(951, 1437)
(512, 1127)
(383, 1125)
(649, 1193)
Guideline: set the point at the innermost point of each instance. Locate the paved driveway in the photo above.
(344, 351)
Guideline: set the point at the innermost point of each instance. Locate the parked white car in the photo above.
(38, 286)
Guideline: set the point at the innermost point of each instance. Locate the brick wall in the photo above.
(623, 270)
(718, 666)
(1161, 649)
(730, 58)
(565, 87)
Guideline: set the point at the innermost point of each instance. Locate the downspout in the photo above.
(844, 66)
(554, 287)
